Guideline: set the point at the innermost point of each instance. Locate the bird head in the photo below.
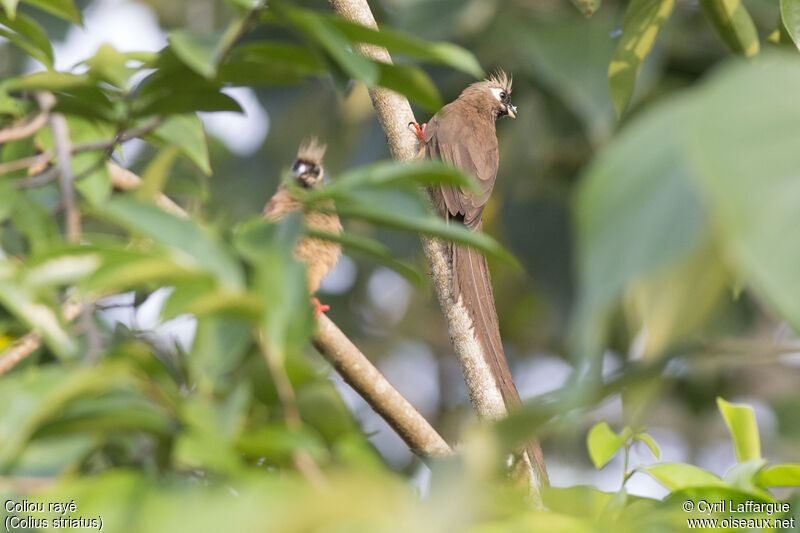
(307, 168)
(492, 94)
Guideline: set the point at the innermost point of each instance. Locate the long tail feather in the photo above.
(473, 285)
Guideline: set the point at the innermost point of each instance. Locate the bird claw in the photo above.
(319, 307)
(419, 130)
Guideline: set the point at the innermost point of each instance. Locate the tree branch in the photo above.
(394, 113)
(368, 381)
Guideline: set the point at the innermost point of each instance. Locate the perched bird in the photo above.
(463, 134)
(318, 255)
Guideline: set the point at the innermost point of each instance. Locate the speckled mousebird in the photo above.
(318, 255)
(463, 134)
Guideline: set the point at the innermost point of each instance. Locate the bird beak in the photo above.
(511, 110)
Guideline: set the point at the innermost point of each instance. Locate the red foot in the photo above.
(420, 130)
(319, 307)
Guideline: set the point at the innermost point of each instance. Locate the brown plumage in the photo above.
(463, 134)
(319, 256)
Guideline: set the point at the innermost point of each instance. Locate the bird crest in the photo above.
(311, 151)
(500, 79)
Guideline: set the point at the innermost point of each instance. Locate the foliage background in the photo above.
(659, 247)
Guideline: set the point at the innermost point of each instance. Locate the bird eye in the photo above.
(503, 95)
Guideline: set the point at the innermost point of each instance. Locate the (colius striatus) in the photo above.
(463, 134)
(318, 255)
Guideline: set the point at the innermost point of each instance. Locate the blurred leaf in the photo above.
(636, 212)
(640, 26)
(156, 173)
(64, 9)
(277, 444)
(192, 243)
(10, 7)
(744, 476)
(603, 443)
(371, 248)
(188, 133)
(28, 35)
(649, 442)
(411, 82)
(678, 476)
(430, 225)
(20, 301)
(561, 50)
(202, 51)
(781, 475)
(218, 348)
(674, 302)
(270, 63)
(733, 25)
(741, 422)
(790, 15)
(178, 102)
(392, 173)
(46, 81)
(35, 223)
(95, 182)
(750, 181)
(8, 199)
(108, 65)
(59, 270)
(320, 31)
(402, 43)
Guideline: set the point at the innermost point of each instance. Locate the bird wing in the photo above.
(468, 142)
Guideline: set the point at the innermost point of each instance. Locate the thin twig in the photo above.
(24, 129)
(368, 382)
(107, 145)
(63, 147)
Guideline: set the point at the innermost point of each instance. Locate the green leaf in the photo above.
(320, 31)
(108, 65)
(177, 102)
(200, 51)
(403, 43)
(744, 476)
(637, 212)
(218, 348)
(20, 301)
(751, 183)
(603, 444)
(10, 7)
(790, 15)
(64, 9)
(392, 174)
(188, 133)
(156, 173)
(371, 248)
(411, 82)
(430, 225)
(741, 422)
(782, 475)
(678, 476)
(8, 199)
(28, 35)
(733, 25)
(95, 183)
(640, 26)
(650, 443)
(190, 242)
(47, 81)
